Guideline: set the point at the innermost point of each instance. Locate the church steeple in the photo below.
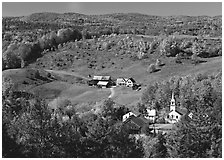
(172, 103)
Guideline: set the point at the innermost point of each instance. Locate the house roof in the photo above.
(101, 77)
(120, 80)
(140, 122)
(102, 83)
(132, 80)
(105, 78)
(151, 112)
(136, 112)
(97, 77)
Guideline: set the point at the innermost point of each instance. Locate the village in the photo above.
(138, 123)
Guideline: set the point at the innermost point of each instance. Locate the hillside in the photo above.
(59, 61)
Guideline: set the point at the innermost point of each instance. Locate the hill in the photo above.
(119, 45)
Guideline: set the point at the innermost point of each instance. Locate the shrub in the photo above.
(151, 68)
(159, 63)
(195, 59)
(178, 58)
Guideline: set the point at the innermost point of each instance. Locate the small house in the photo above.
(127, 115)
(151, 114)
(137, 125)
(130, 82)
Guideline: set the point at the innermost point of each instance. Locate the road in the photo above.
(112, 93)
(67, 73)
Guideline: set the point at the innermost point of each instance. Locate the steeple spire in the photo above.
(172, 103)
(172, 96)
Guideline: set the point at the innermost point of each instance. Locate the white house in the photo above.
(127, 115)
(151, 114)
(130, 82)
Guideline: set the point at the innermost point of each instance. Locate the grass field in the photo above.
(80, 93)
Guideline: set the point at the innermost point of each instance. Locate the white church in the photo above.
(175, 114)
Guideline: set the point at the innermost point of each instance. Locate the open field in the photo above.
(82, 93)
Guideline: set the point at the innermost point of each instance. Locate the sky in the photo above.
(90, 8)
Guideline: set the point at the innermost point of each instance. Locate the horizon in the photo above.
(112, 13)
(18, 9)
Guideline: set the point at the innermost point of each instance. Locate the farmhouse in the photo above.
(128, 82)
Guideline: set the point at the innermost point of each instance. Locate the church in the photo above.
(174, 114)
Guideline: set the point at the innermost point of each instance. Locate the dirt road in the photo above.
(67, 73)
(112, 93)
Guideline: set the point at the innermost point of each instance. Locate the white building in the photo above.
(151, 114)
(127, 115)
(130, 82)
(120, 81)
(174, 114)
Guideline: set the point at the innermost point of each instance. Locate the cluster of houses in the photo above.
(107, 82)
(138, 121)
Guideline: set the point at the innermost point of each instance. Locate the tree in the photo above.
(159, 148)
(141, 108)
(170, 46)
(10, 60)
(178, 58)
(24, 53)
(159, 63)
(195, 59)
(110, 141)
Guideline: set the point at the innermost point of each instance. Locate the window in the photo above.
(172, 116)
(176, 117)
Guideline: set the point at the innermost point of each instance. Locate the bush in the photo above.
(151, 68)
(178, 58)
(194, 59)
(159, 63)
